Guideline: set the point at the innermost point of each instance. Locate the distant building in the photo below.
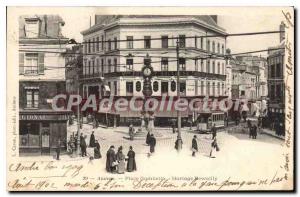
(243, 81)
(114, 68)
(243, 87)
(258, 65)
(41, 77)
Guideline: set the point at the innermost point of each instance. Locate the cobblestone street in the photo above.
(237, 152)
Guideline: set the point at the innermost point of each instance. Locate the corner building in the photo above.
(41, 77)
(114, 68)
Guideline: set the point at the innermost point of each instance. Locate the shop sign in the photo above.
(43, 117)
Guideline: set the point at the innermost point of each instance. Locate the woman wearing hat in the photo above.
(121, 161)
(131, 165)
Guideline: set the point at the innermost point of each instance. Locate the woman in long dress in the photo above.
(92, 140)
(152, 144)
(131, 165)
(121, 161)
(214, 147)
(97, 153)
(110, 159)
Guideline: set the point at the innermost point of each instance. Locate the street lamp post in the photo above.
(179, 140)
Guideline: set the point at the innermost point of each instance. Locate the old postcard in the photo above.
(150, 99)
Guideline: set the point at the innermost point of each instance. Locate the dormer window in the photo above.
(32, 27)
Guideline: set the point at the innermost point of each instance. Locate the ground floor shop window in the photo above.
(29, 134)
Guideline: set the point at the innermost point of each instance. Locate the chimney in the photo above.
(282, 34)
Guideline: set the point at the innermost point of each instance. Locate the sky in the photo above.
(232, 24)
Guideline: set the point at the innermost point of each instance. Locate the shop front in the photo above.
(39, 132)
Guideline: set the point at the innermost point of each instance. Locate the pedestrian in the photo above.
(254, 131)
(244, 114)
(194, 146)
(110, 159)
(173, 128)
(214, 148)
(237, 121)
(131, 132)
(178, 143)
(97, 153)
(152, 143)
(58, 149)
(121, 161)
(83, 146)
(72, 145)
(148, 138)
(131, 165)
(259, 121)
(249, 128)
(214, 131)
(76, 140)
(92, 140)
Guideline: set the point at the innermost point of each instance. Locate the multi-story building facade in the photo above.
(276, 86)
(116, 46)
(243, 81)
(258, 66)
(41, 77)
(73, 58)
(243, 86)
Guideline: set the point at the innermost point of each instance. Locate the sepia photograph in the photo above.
(150, 99)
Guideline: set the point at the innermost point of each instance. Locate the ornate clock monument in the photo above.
(147, 116)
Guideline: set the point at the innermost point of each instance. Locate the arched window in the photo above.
(155, 86)
(213, 47)
(223, 89)
(138, 86)
(208, 45)
(173, 86)
(208, 89)
(218, 69)
(208, 66)
(218, 49)
(223, 52)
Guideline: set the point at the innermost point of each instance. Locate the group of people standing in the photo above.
(115, 162)
(72, 145)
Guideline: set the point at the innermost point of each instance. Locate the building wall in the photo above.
(156, 50)
(275, 77)
(41, 77)
(53, 63)
(47, 90)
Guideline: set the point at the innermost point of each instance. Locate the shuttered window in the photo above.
(21, 63)
(41, 63)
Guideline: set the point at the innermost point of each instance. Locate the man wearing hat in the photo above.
(110, 159)
(194, 145)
